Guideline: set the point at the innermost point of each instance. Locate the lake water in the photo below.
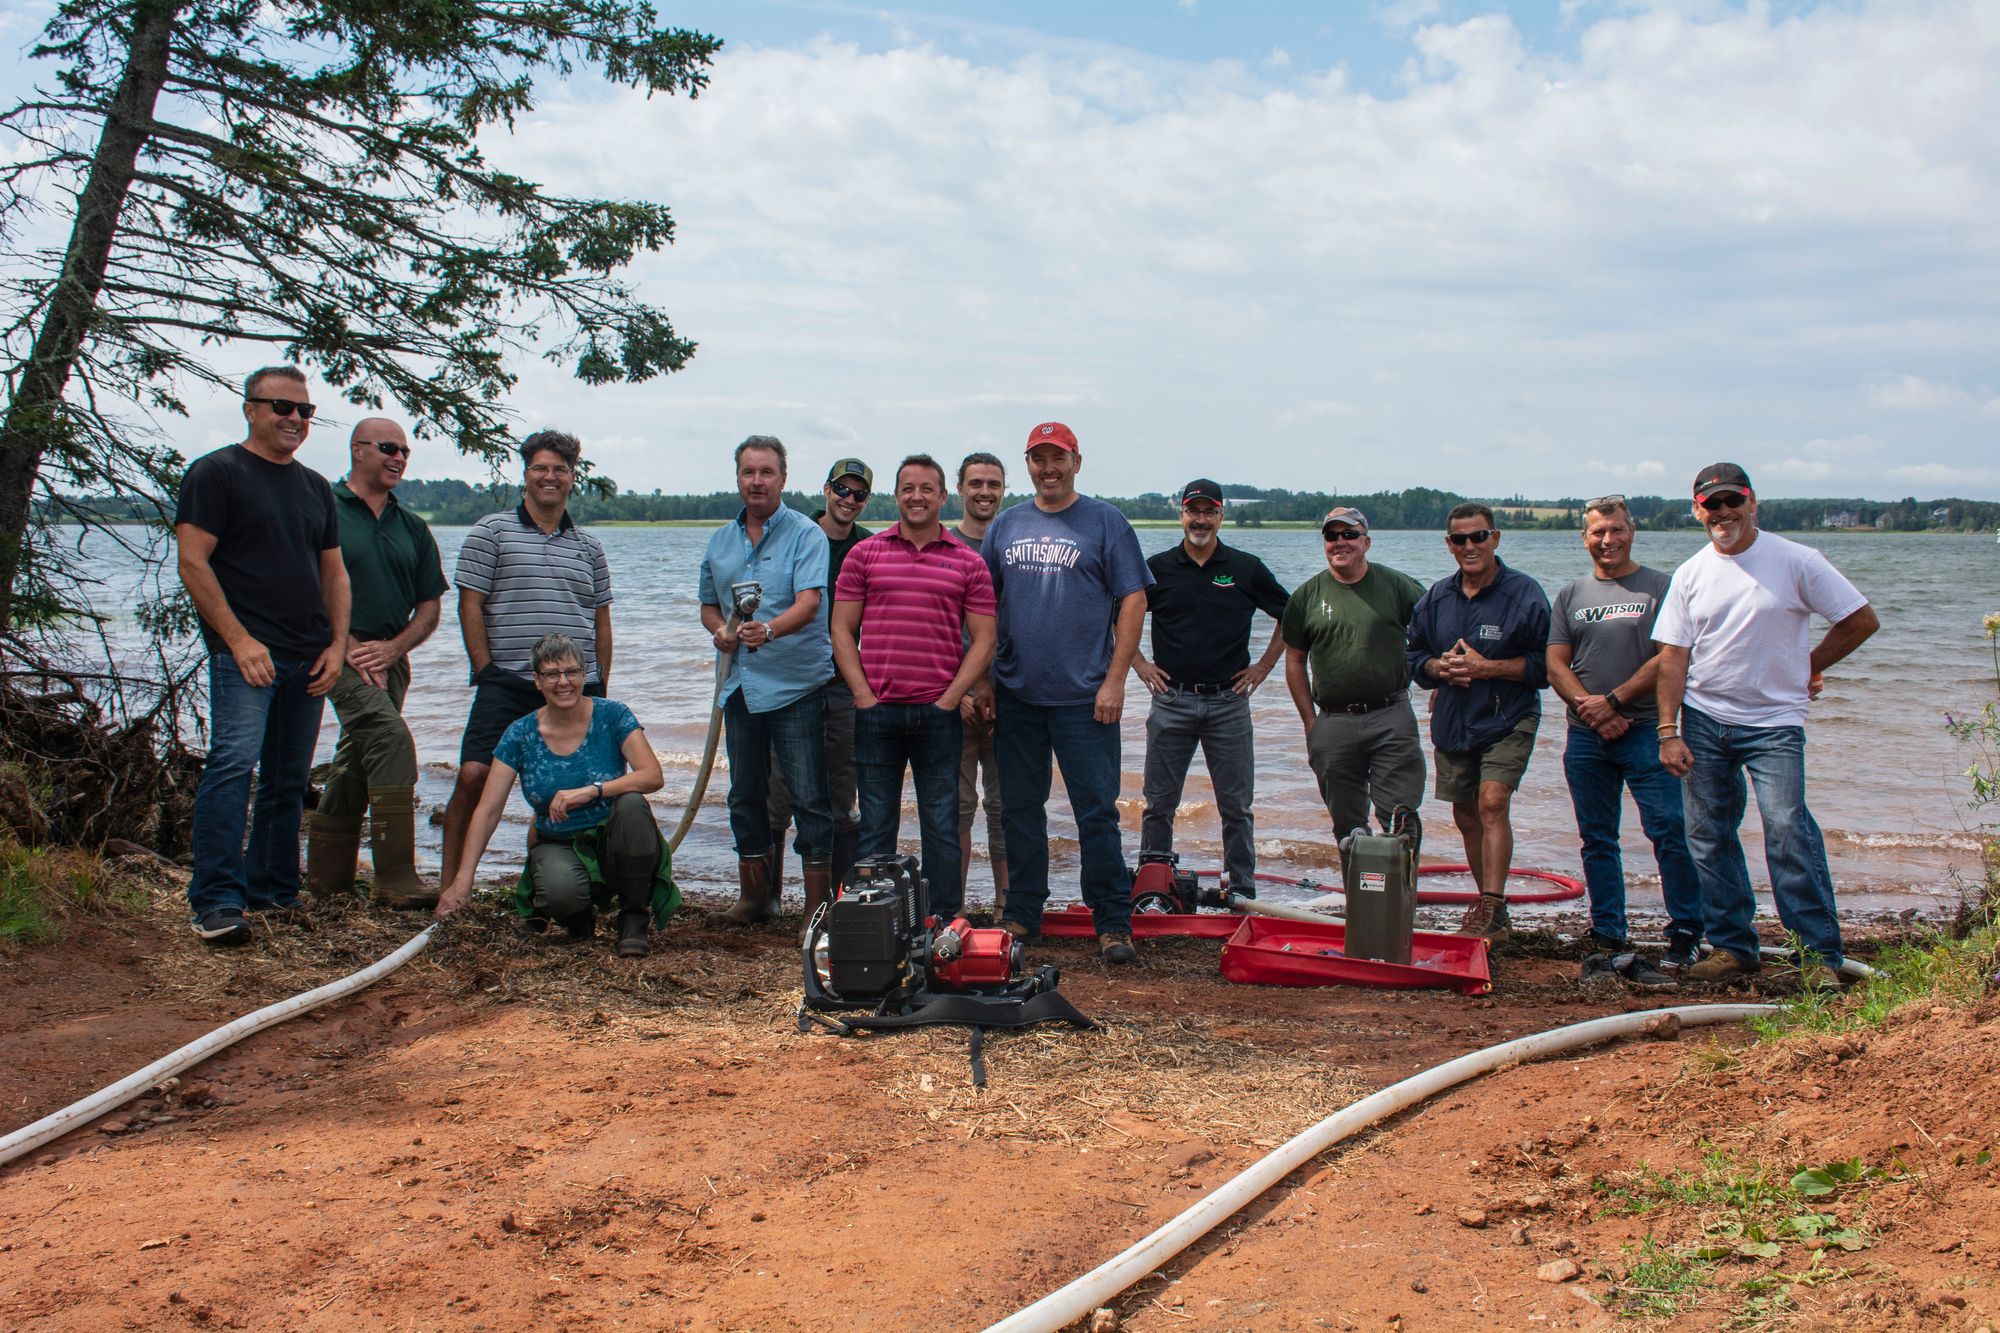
(1885, 780)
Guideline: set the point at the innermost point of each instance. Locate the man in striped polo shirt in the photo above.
(914, 593)
(522, 574)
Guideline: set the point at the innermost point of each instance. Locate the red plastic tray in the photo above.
(1269, 951)
(1073, 922)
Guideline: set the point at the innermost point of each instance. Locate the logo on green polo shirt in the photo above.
(1225, 580)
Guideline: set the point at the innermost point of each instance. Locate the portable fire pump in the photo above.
(876, 958)
(1161, 887)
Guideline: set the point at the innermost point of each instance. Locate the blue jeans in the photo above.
(928, 739)
(1025, 737)
(1801, 884)
(269, 730)
(1598, 771)
(794, 737)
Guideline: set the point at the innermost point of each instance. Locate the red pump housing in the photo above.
(965, 957)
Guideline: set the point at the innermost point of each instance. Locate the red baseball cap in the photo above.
(1053, 432)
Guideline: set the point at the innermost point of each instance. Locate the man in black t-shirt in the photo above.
(1203, 599)
(259, 551)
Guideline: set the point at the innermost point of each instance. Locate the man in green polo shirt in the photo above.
(392, 563)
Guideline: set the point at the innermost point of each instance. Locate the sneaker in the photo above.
(223, 928)
(1117, 949)
(1721, 965)
(1638, 972)
(1016, 929)
(1599, 973)
(1683, 951)
(1485, 919)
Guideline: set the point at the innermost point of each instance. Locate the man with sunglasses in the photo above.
(1737, 671)
(522, 574)
(849, 483)
(1478, 638)
(258, 543)
(397, 580)
(1603, 665)
(1204, 600)
(1345, 667)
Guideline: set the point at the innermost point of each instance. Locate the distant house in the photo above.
(1839, 518)
(1942, 514)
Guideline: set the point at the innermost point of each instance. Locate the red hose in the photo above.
(1566, 890)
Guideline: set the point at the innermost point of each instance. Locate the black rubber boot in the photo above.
(632, 934)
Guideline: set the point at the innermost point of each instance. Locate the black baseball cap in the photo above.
(1721, 477)
(1201, 488)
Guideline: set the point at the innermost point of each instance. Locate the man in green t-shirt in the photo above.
(1346, 624)
(393, 566)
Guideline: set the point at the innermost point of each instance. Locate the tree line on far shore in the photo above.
(452, 502)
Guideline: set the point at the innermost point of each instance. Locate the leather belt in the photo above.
(1355, 710)
(1208, 689)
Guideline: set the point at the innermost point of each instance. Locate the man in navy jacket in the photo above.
(1479, 637)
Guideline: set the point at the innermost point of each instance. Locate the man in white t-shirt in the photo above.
(1736, 674)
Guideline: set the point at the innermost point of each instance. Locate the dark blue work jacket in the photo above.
(1509, 617)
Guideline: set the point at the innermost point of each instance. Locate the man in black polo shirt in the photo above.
(1203, 599)
(396, 576)
(1345, 624)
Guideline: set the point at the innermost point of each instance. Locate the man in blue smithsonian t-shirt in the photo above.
(1072, 591)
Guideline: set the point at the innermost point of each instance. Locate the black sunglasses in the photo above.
(284, 407)
(1726, 500)
(388, 447)
(846, 492)
(1341, 535)
(1477, 536)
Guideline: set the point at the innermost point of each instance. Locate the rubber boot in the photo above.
(392, 836)
(819, 889)
(632, 933)
(846, 845)
(753, 895)
(775, 873)
(333, 845)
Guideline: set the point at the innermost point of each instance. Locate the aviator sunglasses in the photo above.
(1726, 500)
(284, 407)
(1477, 536)
(846, 492)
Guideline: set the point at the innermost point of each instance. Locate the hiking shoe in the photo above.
(1117, 949)
(1016, 929)
(1821, 977)
(1485, 919)
(1683, 951)
(1638, 972)
(1605, 944)
(1721, 965)
(223, 928)
(1599, 973)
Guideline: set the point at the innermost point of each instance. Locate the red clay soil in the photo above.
(516, 1133)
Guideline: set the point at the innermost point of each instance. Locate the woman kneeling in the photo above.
(585, 767)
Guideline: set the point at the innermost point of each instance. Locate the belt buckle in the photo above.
(1356, 710)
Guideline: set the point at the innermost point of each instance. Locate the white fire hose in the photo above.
(54, 1126)
(1063, 1307)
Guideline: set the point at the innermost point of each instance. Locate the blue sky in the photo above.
(1553, 248)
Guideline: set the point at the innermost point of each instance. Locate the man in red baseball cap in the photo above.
(1737, 672)
(1071, 584)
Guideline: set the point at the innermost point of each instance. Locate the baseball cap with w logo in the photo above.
(1053, 432)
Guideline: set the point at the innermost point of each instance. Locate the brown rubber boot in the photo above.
(333, 845)
(392, 837)
(819, 887)
(776, 860)
(753, 896)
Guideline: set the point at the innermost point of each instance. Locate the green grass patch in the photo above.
(1745, 1214)
(1936, 970)
(42, 887)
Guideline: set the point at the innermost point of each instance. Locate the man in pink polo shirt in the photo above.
(913, 593)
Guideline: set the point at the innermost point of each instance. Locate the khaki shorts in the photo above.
(1459, 772)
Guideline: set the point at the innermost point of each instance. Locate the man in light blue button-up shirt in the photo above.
(773, 707)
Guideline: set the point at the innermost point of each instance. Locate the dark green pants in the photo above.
(628, 850)
(375, 747)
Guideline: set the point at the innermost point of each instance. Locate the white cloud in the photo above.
(1940, 474)
(1693, 239)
